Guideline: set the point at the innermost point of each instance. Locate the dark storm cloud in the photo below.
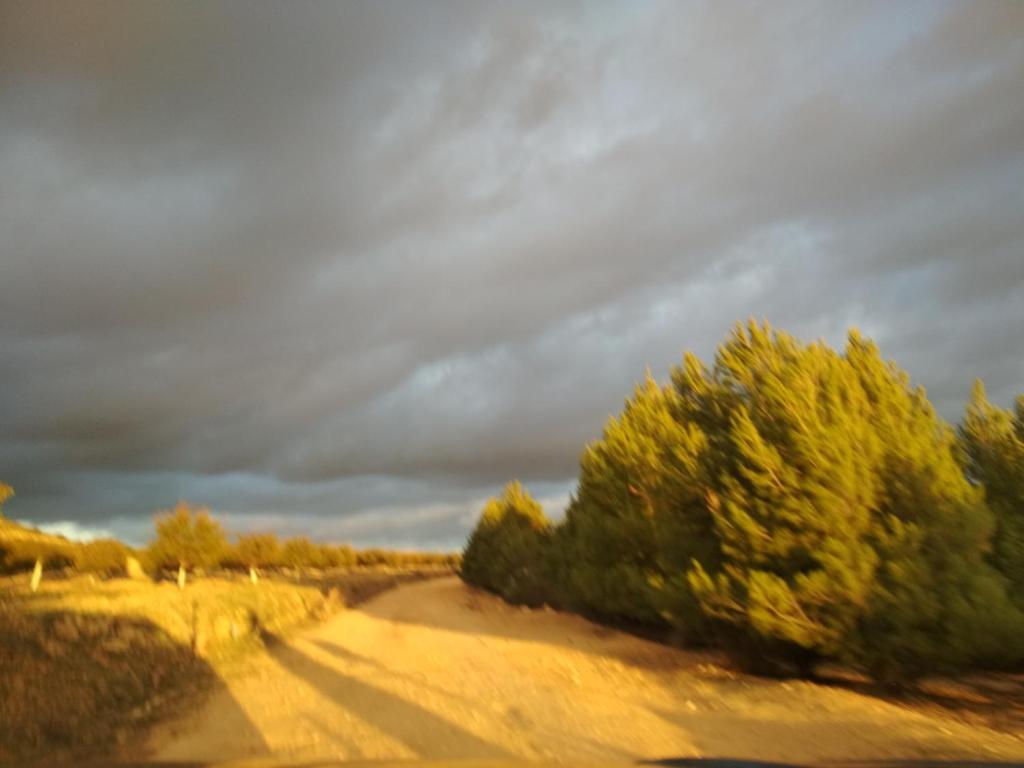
(345, 268)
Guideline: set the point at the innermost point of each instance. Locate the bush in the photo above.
(187, 538)
(258, 550)
(375, 557)
(506, 551)
(22, 554)
(105, 557)
(300, 552)
(341, 556)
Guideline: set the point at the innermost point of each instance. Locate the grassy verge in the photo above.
(86, 665)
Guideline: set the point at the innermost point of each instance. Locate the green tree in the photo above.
(936, 603)
(791, 492)
(992, 445)
(638, 518)
(258, 550)
(845, 526)
(187, 537)
(793, 503)
(506, 551)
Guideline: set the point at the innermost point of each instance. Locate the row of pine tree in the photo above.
(790, 504)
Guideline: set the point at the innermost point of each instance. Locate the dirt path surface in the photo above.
(437, 670)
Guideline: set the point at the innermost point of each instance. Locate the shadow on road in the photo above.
(351, 657)
(474, 612)
(995, 701)
(420, 730)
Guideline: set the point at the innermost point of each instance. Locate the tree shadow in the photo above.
(425, 733)
(752, 740)
(477, 612)
(345, 655)
(994, 701)
(79, 685)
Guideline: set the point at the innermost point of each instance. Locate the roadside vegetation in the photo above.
(791, 505)
(189, 540)
(113, 638)
(86, 663)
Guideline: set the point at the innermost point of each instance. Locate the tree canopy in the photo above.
(505, 553)
(790, 503)
(187, 537)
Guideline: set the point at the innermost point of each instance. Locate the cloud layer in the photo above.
(342, 269)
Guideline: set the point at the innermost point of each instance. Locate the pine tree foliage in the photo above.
(791, 493)
(507, 550)
(937, 605)
(992, 442)
(790, 503)
(636, 516)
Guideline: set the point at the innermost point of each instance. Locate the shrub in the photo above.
(300, 552)
(505, 553)
(22, 554)
(258, 550)
(341, 556)
(106, 557)
(187, 538)
(371, 557)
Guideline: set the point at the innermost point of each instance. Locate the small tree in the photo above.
(258, 550)
(300, 552)
(187, 537)
(506, 553)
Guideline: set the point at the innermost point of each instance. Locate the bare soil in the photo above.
(436, 670)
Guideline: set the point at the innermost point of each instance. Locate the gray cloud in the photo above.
(344, 268)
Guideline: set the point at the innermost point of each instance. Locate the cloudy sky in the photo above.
(342, 269)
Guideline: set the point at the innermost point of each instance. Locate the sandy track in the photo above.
(437, 670)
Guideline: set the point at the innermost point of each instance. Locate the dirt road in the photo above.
(436, 670)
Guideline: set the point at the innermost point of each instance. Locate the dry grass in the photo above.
(85, 665)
